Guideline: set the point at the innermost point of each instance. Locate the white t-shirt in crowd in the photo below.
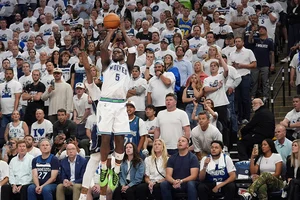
(171, 126)
(269, 164)
(40, 131)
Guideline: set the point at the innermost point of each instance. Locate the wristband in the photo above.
(131, 50)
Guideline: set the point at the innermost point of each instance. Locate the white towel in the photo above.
(212, 165)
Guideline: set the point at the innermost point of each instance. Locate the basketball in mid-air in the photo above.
(111, 21)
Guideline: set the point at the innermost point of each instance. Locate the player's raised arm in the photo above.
(131, 48)
(104, 54)
(85, 62)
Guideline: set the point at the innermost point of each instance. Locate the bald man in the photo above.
(260, 127)
(72, 169)
(282, 144)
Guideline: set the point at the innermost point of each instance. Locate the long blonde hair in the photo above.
(293, 156)
(199, 82)
(164, 154)
(208, 56)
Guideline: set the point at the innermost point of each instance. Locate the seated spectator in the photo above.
(203, 134)
(44, 173)
(132, 172)
(260, 127)
(10, 150)
(155, 172)
(72, 169)
(293, 173)
(42, 128)
(181, 173)
(62, 153)
(191, 94)
(265, 169)
(16, 128)
(282, 144)
(64, 125)
(4, 171)
(217, 173)
(32, 150)
(290, 121)
(138, 131)
(20, 176)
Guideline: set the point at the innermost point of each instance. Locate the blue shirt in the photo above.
(176, 73)
(261, 50)
(284, 149)
(185, 70)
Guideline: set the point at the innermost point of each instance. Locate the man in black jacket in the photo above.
(260, 127)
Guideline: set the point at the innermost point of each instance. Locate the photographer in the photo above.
(61, 144)
(9, 151)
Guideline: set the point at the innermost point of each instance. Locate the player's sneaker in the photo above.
(113, 180)
(103, 178)
(82, 196)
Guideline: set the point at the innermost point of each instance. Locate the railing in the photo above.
(282, 85)
(289, 79)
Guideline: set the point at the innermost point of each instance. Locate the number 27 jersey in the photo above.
(115, 81)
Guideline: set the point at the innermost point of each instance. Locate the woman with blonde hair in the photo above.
(193, 93)
(211, 56)
(155, 165)
(293, 171)
(198, 69)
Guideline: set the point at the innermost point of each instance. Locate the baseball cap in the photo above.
(149, 49)
(160, 62)
(57, 70)
(165, 40)
(263, 27)
(221, 17)
(19, 57)
(79, 85)
(265, 4)
(131, 103)
(29, 8)
(66, 22)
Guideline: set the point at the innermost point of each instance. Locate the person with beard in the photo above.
(260, 127)
(32, 150)
(160, 85)
(64, 125)
(111, 107)
(32, 94)
(18, 25)
(217, 172)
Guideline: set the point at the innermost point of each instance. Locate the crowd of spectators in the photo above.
(199, 65)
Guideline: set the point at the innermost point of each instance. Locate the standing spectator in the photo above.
(196, 42)
(32, 94)
(185, 23)
(221, 31)
(264, 53)
(46, 29)
(10, 97)
(16, 128)
(282, 144)
(43, 7)
(193, 93)
(32, 150)
(151, 125)
(243, 60)
(41, 65)
(239, 22)
(155, 172)
(56, 100)
(42, 128)
(5, 33)
(64, 125)
(132, 172)
(203, 50)
(214, 88)
(268, 19)
(260, 127)
(160, 85)
(217, 173)
(181, 173)
(137, 91)
(158, 7)
(230, 46)
(211, 56)
(172, 120)
(169, 32)
(159, 55)
(72, 169)
(145, 36)
(20, 174)
(169, 67)
(203, 134)
(44, 173)
(294, 66)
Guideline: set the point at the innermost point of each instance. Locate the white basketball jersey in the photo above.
(115, 81)
(16, 131)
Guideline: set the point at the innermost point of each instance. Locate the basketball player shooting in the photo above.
(111, 109)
